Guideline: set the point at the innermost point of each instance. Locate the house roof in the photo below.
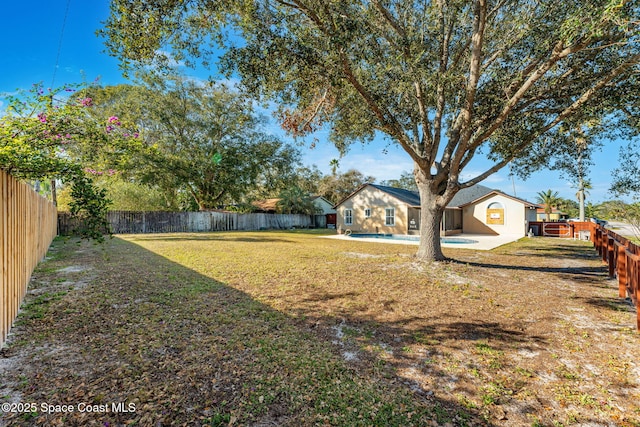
(271, 205)
(463, 197)
(469, 195)
(409, 197)
(495, 192)
(266, 205)
(321, 198)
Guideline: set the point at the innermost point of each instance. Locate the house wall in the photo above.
(377, 201)
(554, 216)
(451, 222)
(327, 208)
(514, 217)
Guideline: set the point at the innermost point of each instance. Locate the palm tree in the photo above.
(295, 200)
(549, 199)
(335, 164)
(581, 195)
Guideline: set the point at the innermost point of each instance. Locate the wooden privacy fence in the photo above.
(27, 227)
(623, 258)
(570, 230)
(125, 222)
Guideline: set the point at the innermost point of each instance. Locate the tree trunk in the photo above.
(430, 218)
(581, 198)
(54, 193)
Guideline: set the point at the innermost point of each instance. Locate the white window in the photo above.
(389, 216)
(348, 217)
(367, 213)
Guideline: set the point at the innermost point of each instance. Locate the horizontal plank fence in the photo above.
(126, 222)
(27, 228)
(570, 230)
(622, 257)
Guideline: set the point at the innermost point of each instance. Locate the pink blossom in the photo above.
(115, 120)
(42, 117)
(86, 102)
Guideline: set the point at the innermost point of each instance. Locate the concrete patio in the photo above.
(484, 241)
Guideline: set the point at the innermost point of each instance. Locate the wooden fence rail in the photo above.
(125, 222)
(27, 227)
(623, 259)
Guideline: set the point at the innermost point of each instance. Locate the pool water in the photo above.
(449, 240)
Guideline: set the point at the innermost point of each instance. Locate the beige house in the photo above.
(476, 210)
(555, 215)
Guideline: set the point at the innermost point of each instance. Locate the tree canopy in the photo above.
(38, 132)
(445, 80)
(201, 139)
(626, 177)
(406, 181)
(339, 185)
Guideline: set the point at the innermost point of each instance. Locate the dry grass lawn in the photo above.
(291, 329)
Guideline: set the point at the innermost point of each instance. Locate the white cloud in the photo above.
(496, 178)
(375, 163)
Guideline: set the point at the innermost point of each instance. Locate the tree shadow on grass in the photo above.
(624, 305)
(184, 348)
(229, 236)
(573, 273)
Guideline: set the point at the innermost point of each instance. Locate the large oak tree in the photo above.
(444, 79)
(199, 139)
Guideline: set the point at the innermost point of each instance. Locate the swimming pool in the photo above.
(448, 240)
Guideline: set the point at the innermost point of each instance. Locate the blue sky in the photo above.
(31, 38)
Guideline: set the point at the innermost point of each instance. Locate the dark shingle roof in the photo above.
(412, 198)
(468, 195)
(462, 197)
(409, 197)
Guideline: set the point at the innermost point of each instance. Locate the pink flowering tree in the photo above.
(42, 134)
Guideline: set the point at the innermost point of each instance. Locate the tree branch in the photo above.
(559, 52)
(586, 96)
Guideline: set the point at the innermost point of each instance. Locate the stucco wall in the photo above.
(552, 217)
(377, 201)
(474, 217)
(327, 208)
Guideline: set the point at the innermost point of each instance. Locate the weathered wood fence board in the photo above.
(124, 222)
(623, 259)
(27, 227)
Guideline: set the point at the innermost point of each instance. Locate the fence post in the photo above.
(611, 254)
(622, 271)
(634, 289)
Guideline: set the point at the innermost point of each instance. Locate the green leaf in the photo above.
(216, 158)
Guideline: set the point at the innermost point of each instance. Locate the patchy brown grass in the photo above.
(288, 328)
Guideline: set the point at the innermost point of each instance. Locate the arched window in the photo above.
(495, 205)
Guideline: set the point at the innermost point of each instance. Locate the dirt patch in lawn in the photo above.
(284, 328)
